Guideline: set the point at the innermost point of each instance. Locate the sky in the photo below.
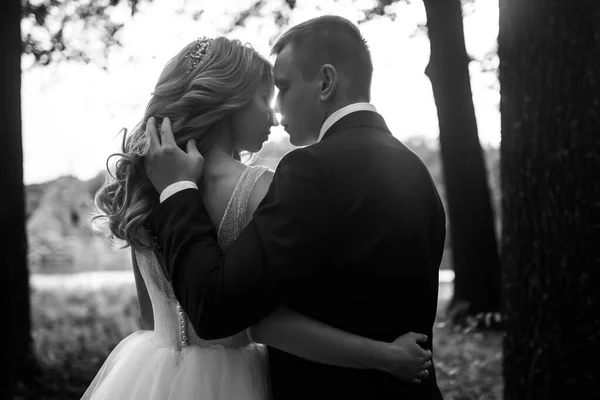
(73, 112)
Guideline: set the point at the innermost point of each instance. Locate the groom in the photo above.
(351, 232)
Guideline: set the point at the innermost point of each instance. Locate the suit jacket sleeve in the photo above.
(224, 292)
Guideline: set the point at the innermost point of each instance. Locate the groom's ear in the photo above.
(328, 81)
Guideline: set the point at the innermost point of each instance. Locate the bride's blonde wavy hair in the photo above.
(195, 98)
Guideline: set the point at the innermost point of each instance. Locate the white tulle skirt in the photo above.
(138, 368)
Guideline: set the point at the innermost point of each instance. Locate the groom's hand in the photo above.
(407, 359)
(165, 162)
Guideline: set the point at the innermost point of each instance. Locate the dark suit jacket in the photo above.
(351, 233)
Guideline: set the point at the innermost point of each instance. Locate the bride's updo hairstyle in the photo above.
(199, 87)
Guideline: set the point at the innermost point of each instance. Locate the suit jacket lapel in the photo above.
(357, 119)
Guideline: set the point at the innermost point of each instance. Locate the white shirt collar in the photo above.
(342, 112)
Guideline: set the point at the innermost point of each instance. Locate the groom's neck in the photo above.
(342, 102)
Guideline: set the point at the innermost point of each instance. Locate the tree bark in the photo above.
(13, 253)
(550, 161)
(475, 257)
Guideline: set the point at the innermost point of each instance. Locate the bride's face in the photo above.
(251, 125)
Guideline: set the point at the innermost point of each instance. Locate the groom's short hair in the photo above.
(334, 40)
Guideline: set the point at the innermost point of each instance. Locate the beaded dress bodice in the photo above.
(171, 325)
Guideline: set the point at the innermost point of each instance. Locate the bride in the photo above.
(218, 93)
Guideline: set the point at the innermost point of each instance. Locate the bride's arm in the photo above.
(307, 338)
(146, 315)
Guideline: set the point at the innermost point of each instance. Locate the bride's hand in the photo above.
(406, 359)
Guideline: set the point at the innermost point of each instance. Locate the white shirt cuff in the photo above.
(176, 187)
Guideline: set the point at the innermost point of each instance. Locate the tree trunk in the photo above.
(13, 253)
(550, 161)
(475, 256)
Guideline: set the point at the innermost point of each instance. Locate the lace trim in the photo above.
(235, 217)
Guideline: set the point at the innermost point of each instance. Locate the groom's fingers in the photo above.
(426, 355)
(152, 135)
(420, 338)
(166, 134)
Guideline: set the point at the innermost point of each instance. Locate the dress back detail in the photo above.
(171, 325)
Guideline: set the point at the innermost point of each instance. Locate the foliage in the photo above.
(469, 361)
(52, 29)
(74, 331)
(58, 229)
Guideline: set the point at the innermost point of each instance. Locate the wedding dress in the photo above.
(172, 362)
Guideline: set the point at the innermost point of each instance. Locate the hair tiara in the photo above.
(199, 53)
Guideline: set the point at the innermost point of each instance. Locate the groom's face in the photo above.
(298, 100)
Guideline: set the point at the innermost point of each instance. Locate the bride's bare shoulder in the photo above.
(218, 187)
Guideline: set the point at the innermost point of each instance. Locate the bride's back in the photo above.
(226, 197)
(171, 326)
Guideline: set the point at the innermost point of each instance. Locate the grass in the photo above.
(468, 362)
(75, 330)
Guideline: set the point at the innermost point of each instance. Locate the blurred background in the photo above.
(88, 69)
(88, 72)
(518, 306)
